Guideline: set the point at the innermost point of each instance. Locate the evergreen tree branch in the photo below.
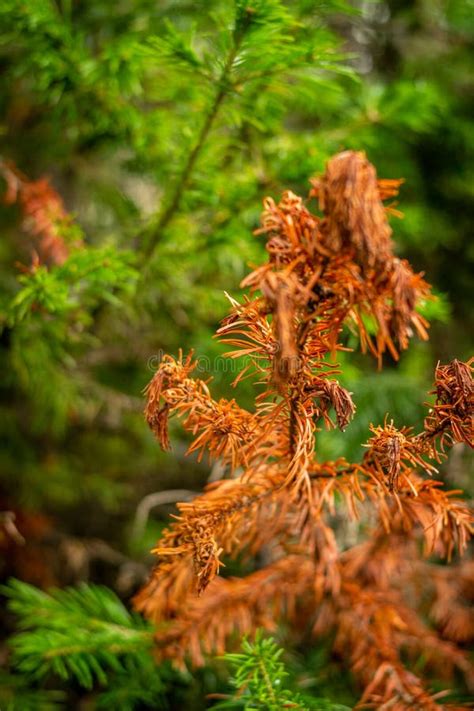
(83, 633)
(185, 176)
(260, 681)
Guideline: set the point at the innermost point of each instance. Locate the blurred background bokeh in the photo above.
(162, 152)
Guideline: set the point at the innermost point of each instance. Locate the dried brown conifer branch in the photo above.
(380, 580)
(222, 427)
(325, 273)
(45, 219)
(451, 419)
(237, 605)
(376, 629)
(452, 608)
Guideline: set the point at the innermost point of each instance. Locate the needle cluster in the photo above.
(325, 273)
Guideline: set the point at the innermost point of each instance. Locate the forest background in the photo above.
(162, 128)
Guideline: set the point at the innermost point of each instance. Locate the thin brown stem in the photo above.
(300, 341)
(292, 427)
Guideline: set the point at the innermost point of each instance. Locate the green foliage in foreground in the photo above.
(78, 633)
(85, 635)
(260, 680)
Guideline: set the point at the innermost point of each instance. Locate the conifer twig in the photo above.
(184, 177)
(322, 273)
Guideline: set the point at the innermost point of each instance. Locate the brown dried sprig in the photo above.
(351, 198)
(225, 429)
(389, 572)
(452, 416)
(230, 516)
(370, 628)
(355, 225)
(452, 608)
(394, 454)
(420, 505)
(331, 395)
(44, 216)
(324, 274)
(236, 605)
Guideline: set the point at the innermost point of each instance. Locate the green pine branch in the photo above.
(82, 633)
(88, 278)
(243, 22)
(260, 681)
(263, 42)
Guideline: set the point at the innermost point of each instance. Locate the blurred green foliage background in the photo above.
(163, 125)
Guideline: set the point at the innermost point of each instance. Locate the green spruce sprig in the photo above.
(264, 41)
(82, 633)
(260, 680)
